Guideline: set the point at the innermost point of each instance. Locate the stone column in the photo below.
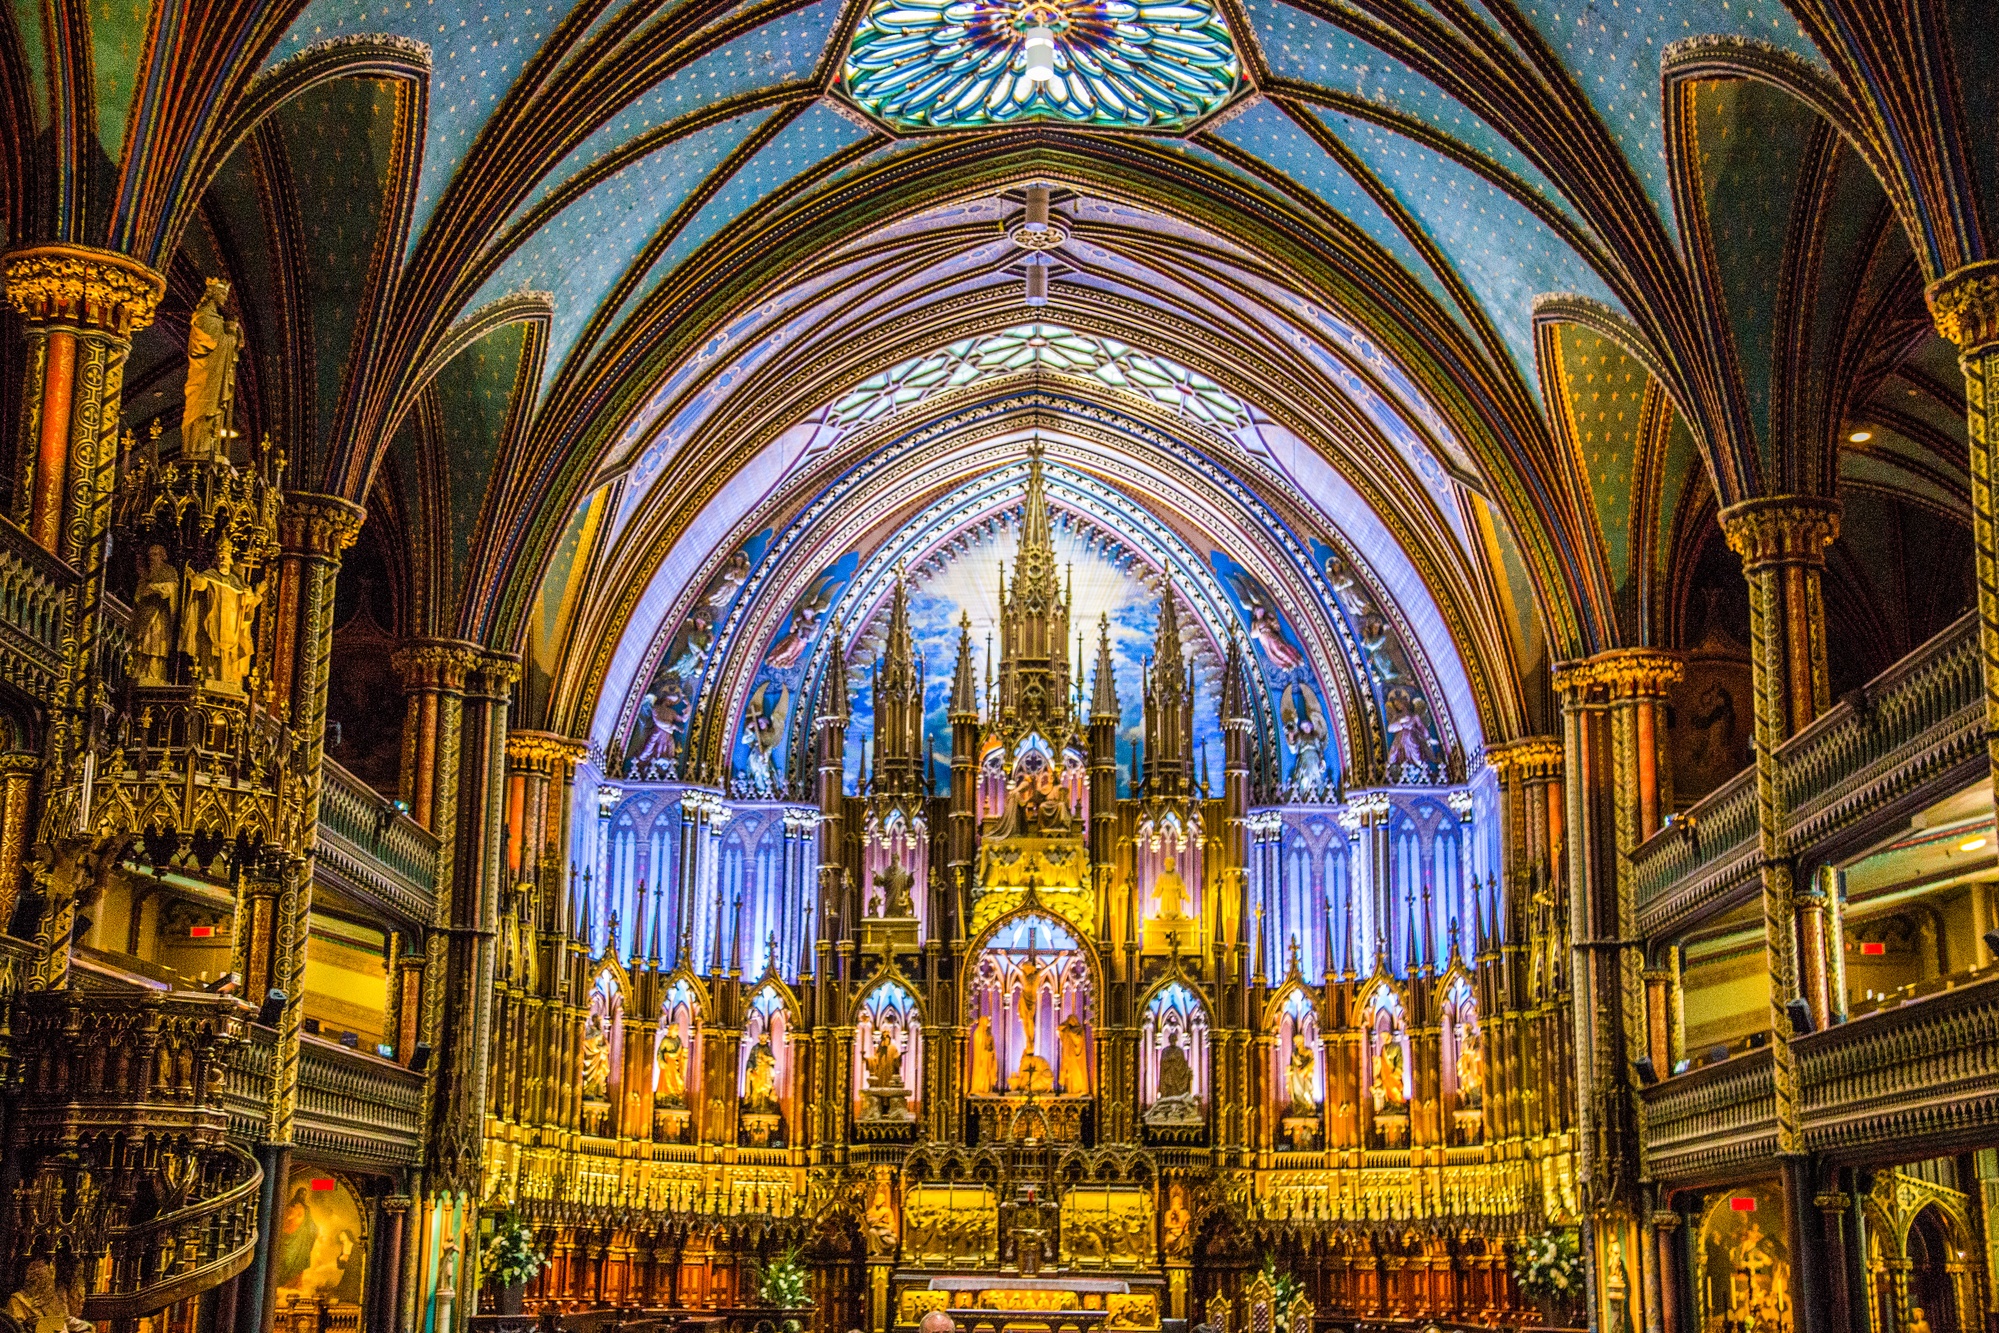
(1782, 543)
(1518, 1100)
(17, 784)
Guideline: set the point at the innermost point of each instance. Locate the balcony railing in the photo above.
(357, 1106)
(1917, 1080)
(1918, 726)
(33, 584)
(378, 851)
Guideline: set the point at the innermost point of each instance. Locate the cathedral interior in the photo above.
(1026, 666)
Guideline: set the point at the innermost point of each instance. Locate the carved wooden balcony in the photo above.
(123, 1139)
(1914, 1081)
(33, 584)
(376, 852)
(1913, 733)
(351, 1105)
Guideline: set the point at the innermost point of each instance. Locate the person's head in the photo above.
(38, 1280)
(937, 1321)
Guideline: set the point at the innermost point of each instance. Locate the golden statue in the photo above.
(218, 637)
(212, 341)
(985, 1058)
(1390, 1093)
(1301, 1080)
(885, 1065)
(883, 1221)
(1169, 917)
(1075, 1057)
(1177, 1225)
(1027, 1001)
(596, 1064)
(760, 1079)
(153, 607)
(1471, 1070)
(895, 883)
(672, 1069)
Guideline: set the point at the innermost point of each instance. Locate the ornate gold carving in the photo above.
(1622, 673)
(435, 664)
(544, 751)
(323, 525)
(74, 284)
(1965, 305)
(1781, 529)
(1529, 758)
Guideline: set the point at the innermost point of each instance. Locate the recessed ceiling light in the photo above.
(1860, 437)
(1971, 844)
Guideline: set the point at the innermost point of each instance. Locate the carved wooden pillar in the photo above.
(1782, 543)
(1530, 820)
(17, 784)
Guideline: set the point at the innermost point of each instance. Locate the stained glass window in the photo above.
(953, 64)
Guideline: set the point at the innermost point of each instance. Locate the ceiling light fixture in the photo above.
(1861, 436)
(1037, 209)
(1971, 844)
(1037, 283)
(1040, 50)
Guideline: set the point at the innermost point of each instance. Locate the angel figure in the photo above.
(763, 729)
(696, 638)
(1408, 733)
(722, 588)
(1305, 732)
(789, 650)
(661, 714)
(1346, 588)
(1265, 629)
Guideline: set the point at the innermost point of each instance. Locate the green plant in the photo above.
(1550, 1264)
(1284, 1290)
(511, 1258)
(781, 1283)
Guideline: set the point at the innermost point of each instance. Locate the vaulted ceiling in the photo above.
(1501, 300)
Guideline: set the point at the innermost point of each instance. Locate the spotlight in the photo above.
(420, 1057)
(1801, 1017)
(1992, 942)
(1861, 436)
(1040, 50)
(1971, 844)
(272, 1009)
(1647, 1074)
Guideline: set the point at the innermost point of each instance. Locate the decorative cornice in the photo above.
(321, 525)
(1965, 306)
(1781, 529)
(75, 284)
(493, 675)
(544, 751)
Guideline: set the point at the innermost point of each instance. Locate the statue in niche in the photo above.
(595, 1071)
(1075, 1057)
(672, 1069)
(1177, 1225)
(760, 1079)
(1301, 1081)
(884, 1066)
(985, 1058)
(154, 605)
(1471, 1069)
(883, 1223)
(1170, 918)
(1391, 1096)
(1033, 1073)
(1176, 1074)
(215, 632)
(212, 341)
(895, 882)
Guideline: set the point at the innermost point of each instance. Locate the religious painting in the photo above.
(888, 1068)
(320, 1249)
(780, 685)
(653, 747)
(1743, 1266)
(1709, 723)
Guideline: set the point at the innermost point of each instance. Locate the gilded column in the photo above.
(17, 783)
(1530, 818)
(1782, 543)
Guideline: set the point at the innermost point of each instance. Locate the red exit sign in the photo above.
(200, 932)
(1873, 948)
(1742, 1203)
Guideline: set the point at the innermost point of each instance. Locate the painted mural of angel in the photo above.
(1346, 587)
(1265, 629)
(661, 715)
(1375, 640)
(1408, 731)
(789, 649)
(763, 731)
(732, 576)
(1305, 732)
(691, 647)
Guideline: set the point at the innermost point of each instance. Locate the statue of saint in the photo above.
(885, 1065)
(212, 340)
(1178, 1223)
(1471, 1070)
(760, 1079)
(672, 1069)
(883, 1222)
(216, 631)
(596, 1064)
(1301, 1080)
(1176, 1075)
(153, 608)
(895, 882)
(1075, 1052)
(1390, 1092)
(41, 1307)
(985, 1057)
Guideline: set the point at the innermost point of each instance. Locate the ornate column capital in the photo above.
(544, 751)
(1621, 673)
(493, 675)
(19, 762)
(322, 525)
(1526, 758)
(1965, 305)
(435, 664)
(1781, 529)
(75, 284)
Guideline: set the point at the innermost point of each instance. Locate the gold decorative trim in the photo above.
(543, 751)
(323, 525)
(1528, 757)
(1622, 673)
(434, 664)
(1965, 305)
(1781, 529)
(75, 284)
